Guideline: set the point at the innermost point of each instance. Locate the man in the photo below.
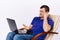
(39, 24)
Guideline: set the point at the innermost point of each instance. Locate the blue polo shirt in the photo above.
(37, 28)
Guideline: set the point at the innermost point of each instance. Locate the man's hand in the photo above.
(46, 15)
(46, 26)
(27, 27)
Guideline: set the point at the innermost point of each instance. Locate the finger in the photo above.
(24, 25)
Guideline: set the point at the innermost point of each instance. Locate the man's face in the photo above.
(42, 11)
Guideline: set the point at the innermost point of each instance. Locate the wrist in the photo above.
(45, 18)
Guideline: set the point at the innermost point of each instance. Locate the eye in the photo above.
(41, 11)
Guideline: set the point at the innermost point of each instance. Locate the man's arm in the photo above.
(46, 26)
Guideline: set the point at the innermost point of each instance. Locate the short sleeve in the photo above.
(34, 19)
(51, 23)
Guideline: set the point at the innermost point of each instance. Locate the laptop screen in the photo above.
(12, 24)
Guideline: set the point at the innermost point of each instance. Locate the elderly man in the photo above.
(39, 24)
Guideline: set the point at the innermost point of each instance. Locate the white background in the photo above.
(23, 11)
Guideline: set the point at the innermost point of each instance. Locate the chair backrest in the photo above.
(56, 20)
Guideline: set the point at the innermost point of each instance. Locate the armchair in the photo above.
(49, 36)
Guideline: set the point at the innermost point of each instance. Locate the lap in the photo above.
(24, 36)
(14, 36)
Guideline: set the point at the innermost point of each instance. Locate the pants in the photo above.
(14, 36)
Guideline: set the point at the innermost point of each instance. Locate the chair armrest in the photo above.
(40, 34)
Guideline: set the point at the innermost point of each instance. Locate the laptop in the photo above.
(13, 27)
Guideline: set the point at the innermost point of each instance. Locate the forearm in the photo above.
(46, 26)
